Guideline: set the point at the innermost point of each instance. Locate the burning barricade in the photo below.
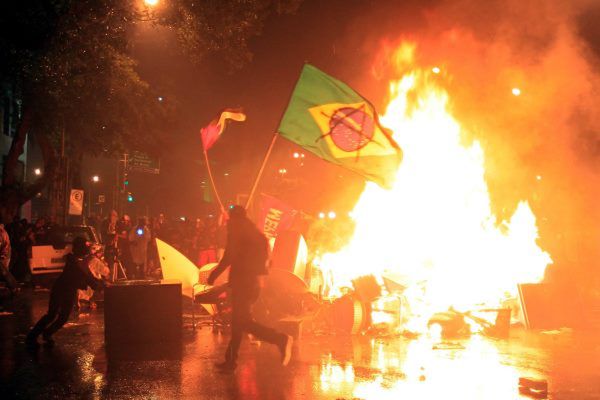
(429, 254)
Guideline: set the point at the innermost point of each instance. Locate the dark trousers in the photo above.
(59, 309)
(242, 322)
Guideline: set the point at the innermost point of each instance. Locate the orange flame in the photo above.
(435, 232)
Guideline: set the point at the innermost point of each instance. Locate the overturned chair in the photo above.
(213, 299)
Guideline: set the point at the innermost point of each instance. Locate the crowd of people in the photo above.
(132, 243)
(127, 244)
(16, 240)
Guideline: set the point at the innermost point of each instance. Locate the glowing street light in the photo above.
(151, 3)
(37, 171)
(321, 215)
(331, 215)
(436, 70)
(516, 91)
(94, 179)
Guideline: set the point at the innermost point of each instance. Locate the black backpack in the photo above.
(259, 254)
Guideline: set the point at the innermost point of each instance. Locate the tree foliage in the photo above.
(71, 65)
(220, 27)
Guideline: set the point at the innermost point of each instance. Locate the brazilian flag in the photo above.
(329, 119)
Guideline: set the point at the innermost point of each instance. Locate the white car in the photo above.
(49, 257)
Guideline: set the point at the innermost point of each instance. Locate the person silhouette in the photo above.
(247, 254)
(63, 296)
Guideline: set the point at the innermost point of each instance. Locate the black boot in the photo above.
(31, 339)
(48, 341)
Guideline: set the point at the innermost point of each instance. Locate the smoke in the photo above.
(542, 146)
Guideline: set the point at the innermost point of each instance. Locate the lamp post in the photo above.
(95, 179)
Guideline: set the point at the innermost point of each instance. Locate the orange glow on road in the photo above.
(473, 369)
(435, 232)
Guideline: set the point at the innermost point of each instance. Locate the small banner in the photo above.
(210, 133)
(76, 202)
(274, 216)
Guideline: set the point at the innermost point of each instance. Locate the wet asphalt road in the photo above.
(323, 367)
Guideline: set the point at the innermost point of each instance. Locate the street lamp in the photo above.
(95, 179)
(151, 3)
(37, 171)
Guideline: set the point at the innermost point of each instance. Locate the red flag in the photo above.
(275, 216)
(213, 130)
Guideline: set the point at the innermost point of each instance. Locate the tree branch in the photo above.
(16, 149)
(50, 168)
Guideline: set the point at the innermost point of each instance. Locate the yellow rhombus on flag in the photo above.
(328, 118)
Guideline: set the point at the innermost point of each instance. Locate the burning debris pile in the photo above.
(434, 236)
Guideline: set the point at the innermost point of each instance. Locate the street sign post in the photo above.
(143, 162)
(76, 202)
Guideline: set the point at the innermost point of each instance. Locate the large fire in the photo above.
(435, 232)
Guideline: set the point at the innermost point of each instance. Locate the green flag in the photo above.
(328, 118)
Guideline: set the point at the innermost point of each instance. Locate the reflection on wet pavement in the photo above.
(323, 367)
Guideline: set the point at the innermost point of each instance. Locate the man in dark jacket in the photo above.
(247, 255)
(63, 296)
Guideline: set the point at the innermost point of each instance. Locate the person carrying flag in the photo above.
(246, 253)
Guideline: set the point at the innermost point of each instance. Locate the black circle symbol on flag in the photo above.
(351, 129)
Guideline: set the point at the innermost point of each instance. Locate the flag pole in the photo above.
(212, 181)
(261, 170)
(264, 163)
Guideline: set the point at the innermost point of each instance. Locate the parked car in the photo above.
(49, 256)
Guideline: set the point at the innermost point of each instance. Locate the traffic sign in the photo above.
(143, 162)
(76, 202)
